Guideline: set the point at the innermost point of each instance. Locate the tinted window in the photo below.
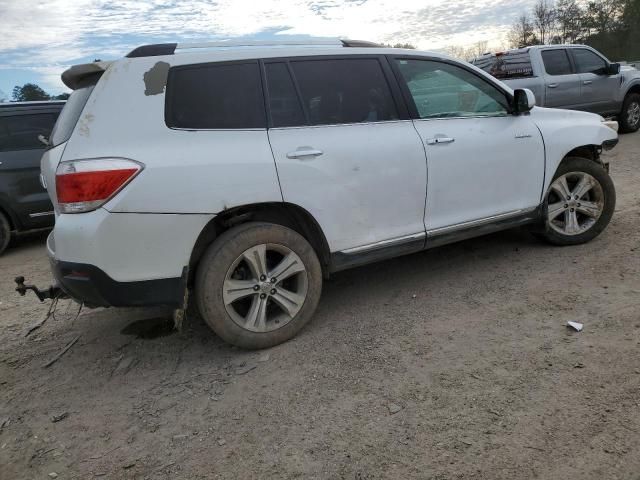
(284, 105)
(556, 62)
(215, 96)
(588, 62)
(20, 132)
(515, 64)
(72, 111)
(442, 90)
(344, 91)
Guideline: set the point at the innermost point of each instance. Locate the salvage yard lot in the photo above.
(452, 363)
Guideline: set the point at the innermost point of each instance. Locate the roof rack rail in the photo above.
(171, 48)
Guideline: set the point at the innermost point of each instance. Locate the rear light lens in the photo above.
(84, 185)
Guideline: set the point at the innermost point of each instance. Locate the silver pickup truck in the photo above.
(576, 77)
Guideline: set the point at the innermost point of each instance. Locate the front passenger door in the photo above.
(483, 164)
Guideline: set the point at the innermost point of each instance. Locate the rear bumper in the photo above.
(106, 259)
(90, 285)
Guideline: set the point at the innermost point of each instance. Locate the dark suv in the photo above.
(24, 203)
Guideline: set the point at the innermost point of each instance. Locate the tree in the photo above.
(604, 16)
(399, 45)
(544, 19)
(570, 18)
(521, 33)
(62, 96)
(29, 92)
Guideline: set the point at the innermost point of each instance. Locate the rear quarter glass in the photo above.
(72, 110)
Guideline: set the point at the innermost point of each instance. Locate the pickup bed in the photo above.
(575, 77)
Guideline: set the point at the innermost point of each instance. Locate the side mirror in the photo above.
(523, 101)
(613, 69)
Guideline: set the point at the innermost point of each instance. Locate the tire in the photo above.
(267, 310)
(629, 119)
(5, 232)
(592, 211)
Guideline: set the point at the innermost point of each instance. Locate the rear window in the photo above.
(506, 65)
(20, 132)
(344, 91)
(556, 62)
(72, 111)
(215, 96)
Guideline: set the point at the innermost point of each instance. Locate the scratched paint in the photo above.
(155, 79)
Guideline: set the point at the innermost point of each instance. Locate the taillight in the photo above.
(84, 185)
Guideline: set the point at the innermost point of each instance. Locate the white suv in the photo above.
(247, 173)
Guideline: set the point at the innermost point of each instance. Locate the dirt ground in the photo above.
(453, 363)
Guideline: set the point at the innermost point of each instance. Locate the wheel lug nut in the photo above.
(256, 287)
(578, 205)
(573, 209)
(576, 197)
(569, 197)
(274, 280)
(566, 205)
(263, 295)
(262, 278)
(273, 291)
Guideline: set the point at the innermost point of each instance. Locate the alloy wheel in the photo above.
(575, 203)
(265, 287)
(633, 114)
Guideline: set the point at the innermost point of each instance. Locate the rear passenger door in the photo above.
(20, 152)
(346, 150)
(562, 84)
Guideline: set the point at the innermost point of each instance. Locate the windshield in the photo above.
(71, 112)
(506, 65)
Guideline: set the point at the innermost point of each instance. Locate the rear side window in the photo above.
(344, 91)
(556, 62)
(588, 62)
(215, 96)
(72, 111)
(507, 65)
(20, 132)
(284, 105)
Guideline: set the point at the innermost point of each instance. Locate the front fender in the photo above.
(566, 130)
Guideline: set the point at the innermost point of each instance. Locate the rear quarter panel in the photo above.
(203, 171)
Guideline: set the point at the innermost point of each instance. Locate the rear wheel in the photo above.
(629, 119)
(579, 203)
(5, 232)
(258, 285)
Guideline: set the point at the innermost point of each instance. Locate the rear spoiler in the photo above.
(73, 77)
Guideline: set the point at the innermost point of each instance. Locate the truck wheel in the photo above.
(258, 284)
(579, 203)
(5, 232)
(630, 115)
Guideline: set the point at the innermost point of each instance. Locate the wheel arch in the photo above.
(13, 220)
(281, 213)
(635, 88)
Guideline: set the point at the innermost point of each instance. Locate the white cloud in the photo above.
(54, 33)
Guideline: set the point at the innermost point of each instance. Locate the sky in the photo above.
(40, 39)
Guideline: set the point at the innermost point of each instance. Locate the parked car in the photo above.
(242, 176)
(577, 77)
(24, 202)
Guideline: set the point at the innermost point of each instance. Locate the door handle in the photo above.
(305, 152)
(438, 140)
(587, 82)
(552, 85)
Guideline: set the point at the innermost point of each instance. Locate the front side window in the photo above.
(20, 132)
(588, 62)
(215, 96)
(344, 91)
(441, 90)
(556, 62)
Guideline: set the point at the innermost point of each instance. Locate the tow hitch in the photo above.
(52, 292)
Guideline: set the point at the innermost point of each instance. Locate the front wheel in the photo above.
(258, 285)
(579, 203)
(629, 118)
